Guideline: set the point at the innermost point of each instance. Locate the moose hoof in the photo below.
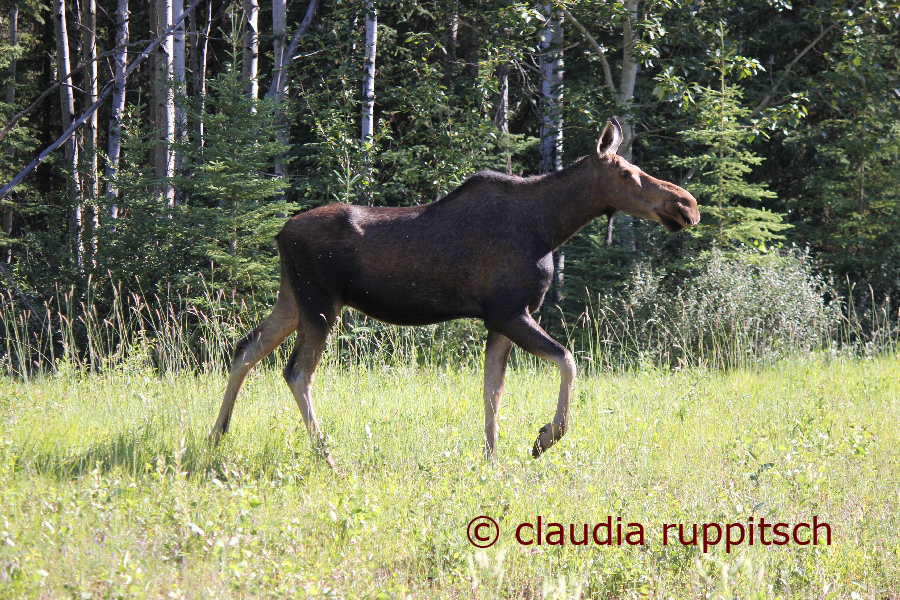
(328, 460)
(215, 436)
(322, 452)
(546, 438)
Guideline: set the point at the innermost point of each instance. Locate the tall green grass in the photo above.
(110, 489)
(735, 312)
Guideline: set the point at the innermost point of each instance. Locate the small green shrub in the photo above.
(739, 309)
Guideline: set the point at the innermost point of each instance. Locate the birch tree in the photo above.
(551, 119)
(279, 82)
(368, 88)
(165, 102)
(283, 58)
(199, 36)
(114, 136)
(179, 73)
(501, 111)
(90, 83)
(70, 148)
(279, 37)
(8, 206)
(250, 62)
(368, 98)
(551, 91)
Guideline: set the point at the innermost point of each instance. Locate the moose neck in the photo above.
(567, 201)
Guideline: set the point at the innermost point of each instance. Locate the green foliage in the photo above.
(229, 192)
(433, 131)
(229, 209)
(718, 153)
(788, 116)
(142, 229)
(846, 205)
(734, 311)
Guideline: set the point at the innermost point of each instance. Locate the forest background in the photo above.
(158, 214)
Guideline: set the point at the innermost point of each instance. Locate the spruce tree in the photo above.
(233, 197)
(721, 160)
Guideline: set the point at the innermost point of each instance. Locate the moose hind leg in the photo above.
(496, 356)
(528, 335)
(299, 373)
(252, 348)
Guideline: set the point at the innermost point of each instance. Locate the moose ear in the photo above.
(610, 138)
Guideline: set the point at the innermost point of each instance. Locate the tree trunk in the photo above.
(8, 206)
(279, 35)
(91, 184)
(452, 37)
(624, 97)
(250, 62)
(70, 149)
(114, 146)
(179, 76)
(501, 112)
(628, 78)
(551, 120)
(278, 87)
(279, 84)
(368, 98)
(368, 90)
(199, 53)
(551, 92)
(165, 103)
(472, 51)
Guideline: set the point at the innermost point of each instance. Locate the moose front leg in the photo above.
(496, 356)
(528, 335)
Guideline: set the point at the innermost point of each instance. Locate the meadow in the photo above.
(108, 487)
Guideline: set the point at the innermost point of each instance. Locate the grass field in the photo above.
(108, 488)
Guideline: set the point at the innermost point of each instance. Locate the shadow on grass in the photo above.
(148, 449)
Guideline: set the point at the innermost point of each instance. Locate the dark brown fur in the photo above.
(484, 251)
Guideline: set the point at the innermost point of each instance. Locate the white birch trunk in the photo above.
(70, 148)
(250, 62)
(501, 116)
(179, 75)
(552, 120)
(452, 38)
(624, 98)
(279, 35)
(368, 89)
(200, 45)
(368, 100)
(278, 86)
(165, 102)
(114, 136)
(551, 92)
(91, 185)
(628, 77)
(8, 210)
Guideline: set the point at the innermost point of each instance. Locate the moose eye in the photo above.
(624, 173)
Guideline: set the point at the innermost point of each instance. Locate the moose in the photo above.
(483, 251)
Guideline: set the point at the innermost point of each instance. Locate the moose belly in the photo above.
(411, 303)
